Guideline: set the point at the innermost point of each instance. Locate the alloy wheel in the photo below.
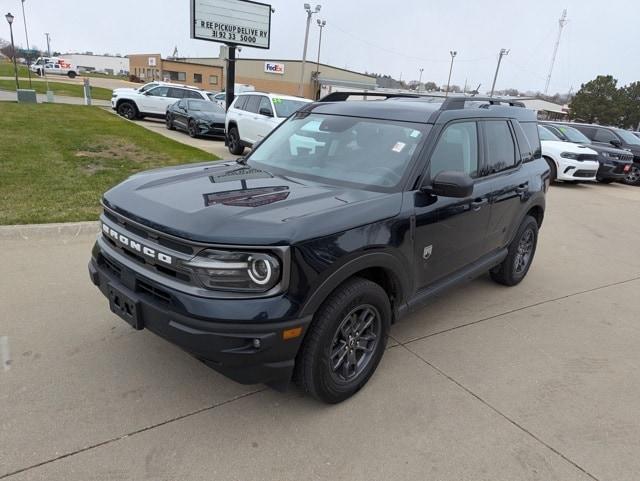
(524, 251)
(354, 342)
(633, 177)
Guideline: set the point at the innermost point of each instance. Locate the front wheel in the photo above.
(553, 171)
(633, 176)
(345, 341)
(169, 122)
(233, 140)
(128, 110)
(520, 255)
(192, 129)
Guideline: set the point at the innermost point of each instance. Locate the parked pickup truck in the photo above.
(293, 262)
(54, 66)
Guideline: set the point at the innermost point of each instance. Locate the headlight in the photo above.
(569, 155)
(605, 154)
(236, 271)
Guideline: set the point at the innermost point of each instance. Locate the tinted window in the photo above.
(158, 92)
(205, 106)
(628, 137)
(265, 103)
(574, 135)
(530, 130)
(603, 135)
(176, 93)
(500, 147)
(182, 104)
(240, 103)
(457, 149)
(192, 94)
(252, 103)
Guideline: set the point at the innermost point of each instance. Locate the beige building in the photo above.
(148, 67)
(283, 76)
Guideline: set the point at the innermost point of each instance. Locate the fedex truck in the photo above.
(54, 66)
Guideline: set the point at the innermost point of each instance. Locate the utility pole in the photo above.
(503, 52)
(321, 24)
(453, 54)
(48, 45)
(561, 23)
(310, 12)
(24, 18)
(420, 80)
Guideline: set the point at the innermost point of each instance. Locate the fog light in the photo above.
(256, 343)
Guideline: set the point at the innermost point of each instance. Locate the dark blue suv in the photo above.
(292, 263)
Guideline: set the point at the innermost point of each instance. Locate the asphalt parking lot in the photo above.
(535, 382)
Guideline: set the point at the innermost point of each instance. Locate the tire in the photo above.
(553, 171)
(192, 129)
(234, 143)
(168, 122)
(633, 177)
(355, 303)
(72, 74)
(128, 110)
(520, 254)
(604, 181)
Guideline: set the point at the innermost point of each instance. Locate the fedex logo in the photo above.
(274, 68)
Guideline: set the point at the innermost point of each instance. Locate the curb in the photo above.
(48, 231)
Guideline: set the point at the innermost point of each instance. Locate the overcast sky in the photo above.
(396, 37)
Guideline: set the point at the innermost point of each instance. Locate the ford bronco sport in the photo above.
(292, 263)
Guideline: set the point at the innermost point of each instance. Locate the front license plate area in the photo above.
(126, 307)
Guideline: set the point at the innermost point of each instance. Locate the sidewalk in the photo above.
(10, 96)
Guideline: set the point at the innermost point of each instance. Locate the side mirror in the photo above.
(451, 183)
(266, 112)
(616, 143)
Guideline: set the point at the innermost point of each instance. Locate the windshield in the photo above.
(205, 106)
(546, 134)
(285, 107)
(628, 137)
(341, 150)
(574, 135)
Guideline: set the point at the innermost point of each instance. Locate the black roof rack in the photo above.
(448, 103)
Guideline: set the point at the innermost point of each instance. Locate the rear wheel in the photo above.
(233, 139)
(633, 176)
(128, 110)
(553, 171)
(72, 75)
(345, 342)
(520, 254)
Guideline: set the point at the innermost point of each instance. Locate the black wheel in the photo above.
(633, 176)
(234, 143)
(520, 255)
(168, 121)
(345, 342)
(72, 75)
(192, 129)
(553, 172)
(604, 181)
(128, 110)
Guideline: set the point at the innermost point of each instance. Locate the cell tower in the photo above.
(562, 22)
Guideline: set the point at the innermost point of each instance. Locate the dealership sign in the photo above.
(234, 22)
(271, 67)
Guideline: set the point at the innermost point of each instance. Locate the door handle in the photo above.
(522, 188)
(478, 203)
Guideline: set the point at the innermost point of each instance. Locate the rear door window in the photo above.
(241, 102)
(604, 135)
(252, 104)
(530, 130)
(175, 93)
(500, 147)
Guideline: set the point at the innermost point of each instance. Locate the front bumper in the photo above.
(250, 350)
(614, 170)
(578, 170)
(211, 130)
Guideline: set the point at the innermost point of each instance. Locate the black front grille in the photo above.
(160, 294)
(584, 173)
(587, 157)
(111, 266)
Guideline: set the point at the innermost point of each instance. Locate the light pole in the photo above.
(503, 52)
(420, 80)
(453, 54)
(321, 24)
(10, 18)
(28, 49)
(48, 44)
(310, 12)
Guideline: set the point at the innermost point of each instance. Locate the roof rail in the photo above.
(343, 96)
(454, 103)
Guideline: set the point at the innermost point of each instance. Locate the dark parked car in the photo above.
(619, 138)
(295, 261)
(196, 117)
(615, 163)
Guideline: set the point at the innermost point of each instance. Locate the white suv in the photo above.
(568, 162)
(154, 101)
(253, 115)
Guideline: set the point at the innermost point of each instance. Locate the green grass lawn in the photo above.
(7, 70)
(58, 88)
(56, 160)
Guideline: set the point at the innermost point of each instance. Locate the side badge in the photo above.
(426, 253)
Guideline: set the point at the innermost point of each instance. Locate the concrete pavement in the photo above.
(535, 382)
